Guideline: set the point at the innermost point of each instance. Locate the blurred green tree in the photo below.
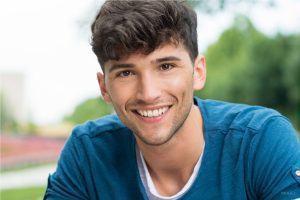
(215, 6)
(246, 66)
(291, 77)
(88, 110)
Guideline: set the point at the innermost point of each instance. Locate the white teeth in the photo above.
(144, 113)
(150, 113)
(153, 113)
(160, 111)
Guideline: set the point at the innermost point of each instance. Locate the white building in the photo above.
(12, 94)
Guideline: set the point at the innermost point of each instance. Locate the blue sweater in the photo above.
(250, 153)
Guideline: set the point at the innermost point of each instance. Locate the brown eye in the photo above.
(166, 67)
(125, 73)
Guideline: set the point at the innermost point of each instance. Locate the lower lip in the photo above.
(152, 119)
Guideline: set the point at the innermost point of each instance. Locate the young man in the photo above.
(163, 143)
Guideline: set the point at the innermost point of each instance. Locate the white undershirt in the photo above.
(149, 185)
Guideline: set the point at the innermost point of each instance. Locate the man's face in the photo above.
(153, 94)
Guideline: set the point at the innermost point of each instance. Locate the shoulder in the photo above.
(100, 127)
(219, 115)
(104, 136)
(259, 141)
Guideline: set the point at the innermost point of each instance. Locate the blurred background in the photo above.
(48, 73)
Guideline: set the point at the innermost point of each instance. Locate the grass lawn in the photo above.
(31, 193)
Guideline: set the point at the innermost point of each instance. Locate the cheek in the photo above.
(180, 83)
(119, 95)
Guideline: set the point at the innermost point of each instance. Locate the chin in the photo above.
(155, 141)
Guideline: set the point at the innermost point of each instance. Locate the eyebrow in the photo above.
(167, 58)
(120, 66)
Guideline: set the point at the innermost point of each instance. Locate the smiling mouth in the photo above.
(153, 113)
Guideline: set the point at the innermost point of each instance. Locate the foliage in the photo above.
(31, 193)
(89, 109)
(248, 67)
(215, 6)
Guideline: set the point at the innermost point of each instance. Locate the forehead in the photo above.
(168, 50)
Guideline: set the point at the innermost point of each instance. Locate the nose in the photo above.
(148, 89)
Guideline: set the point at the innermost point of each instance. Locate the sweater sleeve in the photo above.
(67, 182)
(275, 161)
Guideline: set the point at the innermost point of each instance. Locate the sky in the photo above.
(48, 41)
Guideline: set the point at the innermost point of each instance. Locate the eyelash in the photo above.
(121, 74)
(170, 66)
(129, 73)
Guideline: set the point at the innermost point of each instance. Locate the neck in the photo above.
(174, 161)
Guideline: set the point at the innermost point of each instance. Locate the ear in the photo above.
(199, 73)
(101, 82)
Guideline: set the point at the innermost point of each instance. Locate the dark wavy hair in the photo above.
(124, 27)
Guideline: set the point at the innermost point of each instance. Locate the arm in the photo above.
(275, 161)
(67, 182)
